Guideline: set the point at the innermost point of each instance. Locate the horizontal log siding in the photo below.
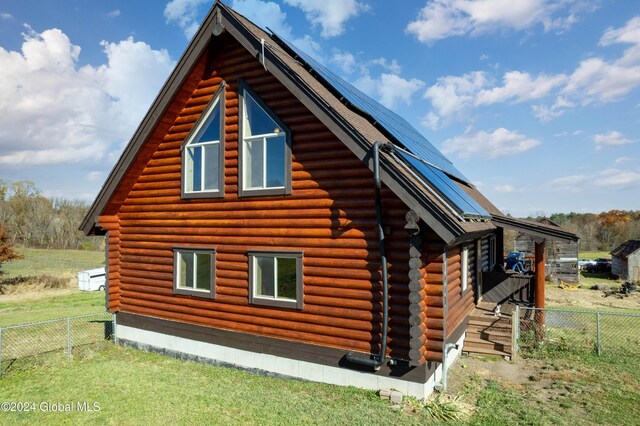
(460, 303)
(111, 224)
(432, 307)
(485, 255)
(330, 215)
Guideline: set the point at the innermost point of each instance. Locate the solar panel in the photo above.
(404, 134)
(446, 187)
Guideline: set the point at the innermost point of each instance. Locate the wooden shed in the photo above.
(562, 256)
(625, 261)
(268, 215)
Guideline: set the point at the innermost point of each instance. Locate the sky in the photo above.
(537, 102)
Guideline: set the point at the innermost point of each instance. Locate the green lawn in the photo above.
(133, 387)
(593, 255)
(56, 263)
(49, 305)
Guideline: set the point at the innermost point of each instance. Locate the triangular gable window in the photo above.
(203, 153)
(266, 154)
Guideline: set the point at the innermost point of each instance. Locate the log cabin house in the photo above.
(268, 215)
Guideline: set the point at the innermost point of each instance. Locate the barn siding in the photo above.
(330, 215)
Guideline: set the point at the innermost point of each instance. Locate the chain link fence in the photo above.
(54, 339)
(577, 331)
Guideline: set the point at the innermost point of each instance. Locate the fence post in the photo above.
(598, 330)
(515, 331)
(1, 369)
(68, 337)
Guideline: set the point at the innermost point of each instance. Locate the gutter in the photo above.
(376, 360)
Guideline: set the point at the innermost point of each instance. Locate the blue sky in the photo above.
(537, 102)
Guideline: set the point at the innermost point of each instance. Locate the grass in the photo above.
(561, 389)
(21, 309)
(57, 263)
(43, 286)
(135, 387)
(593, 255)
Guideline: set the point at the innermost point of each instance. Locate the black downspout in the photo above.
(376, 360)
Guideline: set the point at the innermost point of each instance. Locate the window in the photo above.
(464, 268)
(492, 252)
(265, 166)
(275, 279)
(194, 272)
(203, 153)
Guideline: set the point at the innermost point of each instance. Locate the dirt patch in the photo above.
(591, 299)
(509, 374)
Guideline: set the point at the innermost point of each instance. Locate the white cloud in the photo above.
(451, 94)
(520, 86)
(94, 176)
(622, 160)
(594, 80)
(499, 143)
(184, 13)
(613, 138)
(546, 113)
(265, 14)
(617, 177)
(52, 111)
(114, 13)
(5, 16)
(390, 89)
(331, 15)
(506, 188)
(597, 79)
(345, 61)
(609, 178)
(440, 19)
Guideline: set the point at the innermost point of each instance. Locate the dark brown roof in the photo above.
(350, 127)
(625, 249)
(353, 129)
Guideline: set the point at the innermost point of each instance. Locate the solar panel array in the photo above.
(434, 162)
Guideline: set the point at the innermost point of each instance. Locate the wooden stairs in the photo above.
(487, 334)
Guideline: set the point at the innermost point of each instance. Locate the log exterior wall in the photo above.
(330, 215)
(459, 303)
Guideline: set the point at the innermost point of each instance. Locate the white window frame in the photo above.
(178, 252)
(464, 269)
(243, 189)
(205, 120)
(275, 301)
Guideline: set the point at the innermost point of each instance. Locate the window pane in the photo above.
(203, 271)
(264, 284)
(256, 120)
(211, 157)
(253, 163)
(186, 270)
(275, 161)
(194, 168)
(211, 130)
(286, 278)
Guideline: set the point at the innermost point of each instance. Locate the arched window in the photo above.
(265, 166)
(203, 153)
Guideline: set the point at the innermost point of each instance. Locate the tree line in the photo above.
(33, 220)
(601, 231)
